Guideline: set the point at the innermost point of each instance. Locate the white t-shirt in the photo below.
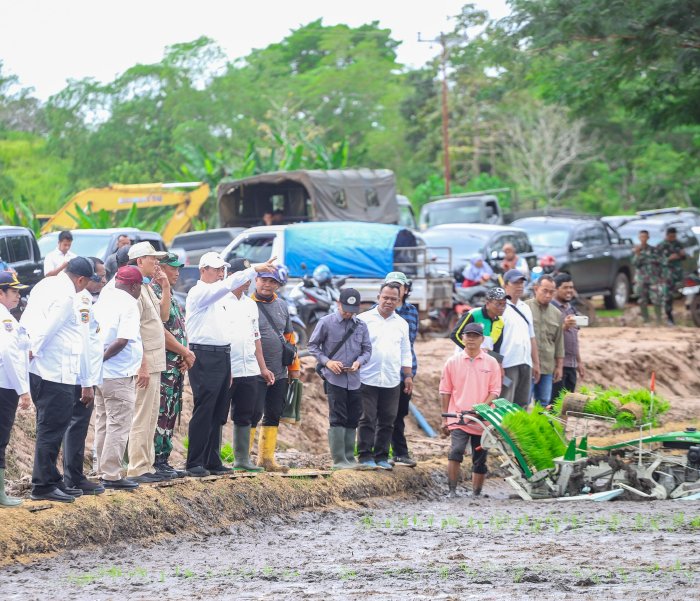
(244, 331)
(117, 313)
(56, 258)
(516, 347)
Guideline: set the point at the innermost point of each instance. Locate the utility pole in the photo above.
(442, 40)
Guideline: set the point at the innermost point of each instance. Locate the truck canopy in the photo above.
(362, 250)
(311, 195)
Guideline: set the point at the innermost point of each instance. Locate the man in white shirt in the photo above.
(207, 322)
(248, 370)
(90, 376)
(55, 330)
(521, 363)
(57, 260)
(381, 377)
(118, 315)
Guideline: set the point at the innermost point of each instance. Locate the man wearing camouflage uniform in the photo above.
(647, 277)
(671, 254)
(178, 359)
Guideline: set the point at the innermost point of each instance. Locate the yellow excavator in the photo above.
(187, 198)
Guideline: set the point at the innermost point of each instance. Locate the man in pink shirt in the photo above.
(468, 379)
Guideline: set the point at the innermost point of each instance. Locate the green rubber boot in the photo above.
(241, 449)
(6, 501)
(336, 441)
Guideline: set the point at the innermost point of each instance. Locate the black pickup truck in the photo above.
(591, 251)
(19, 249)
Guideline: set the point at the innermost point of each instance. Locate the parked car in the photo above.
(461, 208)
(192, 245)
(20, 251)
(100, 243)
(464, 240)
(598, 259)
(657, 226)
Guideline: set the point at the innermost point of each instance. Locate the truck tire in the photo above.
(695, 310)
(620, 293)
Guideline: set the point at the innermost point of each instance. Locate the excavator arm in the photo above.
(121, 197)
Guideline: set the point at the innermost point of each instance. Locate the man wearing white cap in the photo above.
(154, 312)
(210, 376)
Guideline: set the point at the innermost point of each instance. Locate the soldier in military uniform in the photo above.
(178, 359)
(647, 276)
(14, 370)
(672, 255)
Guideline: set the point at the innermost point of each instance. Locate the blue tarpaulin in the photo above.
(351, 248)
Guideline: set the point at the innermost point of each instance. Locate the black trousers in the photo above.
(568, 381)
(54, 410)
(9, 400)
(379, 408)
(275, 397)
(344, 406)
(398, 436)
(210, 378)
(74, 441)
(247, 399)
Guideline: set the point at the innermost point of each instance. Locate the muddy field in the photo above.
(427, 548)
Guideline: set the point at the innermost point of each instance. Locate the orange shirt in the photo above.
(469, 382)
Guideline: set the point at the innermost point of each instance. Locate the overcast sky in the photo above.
(46, 42)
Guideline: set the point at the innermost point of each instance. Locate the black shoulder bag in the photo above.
(289, 350)
(337, 347)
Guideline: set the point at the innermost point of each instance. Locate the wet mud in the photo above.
(400, 548)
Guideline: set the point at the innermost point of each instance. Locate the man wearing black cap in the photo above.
(521, 362)
(340, 343)
(14, 370)
(57, 343)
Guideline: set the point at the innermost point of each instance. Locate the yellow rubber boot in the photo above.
(266, 450)
(253, 432)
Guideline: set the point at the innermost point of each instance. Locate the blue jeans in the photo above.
(542, 391)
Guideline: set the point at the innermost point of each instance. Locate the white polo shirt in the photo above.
(391, 349)
(14, 354)
(244, 331)
(206, 311)
(55, 330)
(518, 329)
(117, 312)
(56, 258)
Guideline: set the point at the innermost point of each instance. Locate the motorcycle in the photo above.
(445, 319)
(298, 324)
(691, 292)
(316, 296)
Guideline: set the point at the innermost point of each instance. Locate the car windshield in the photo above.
(466, 211)
(463, 245)
(84, 245)
(631, 230)
(545, 236)
(257, 249)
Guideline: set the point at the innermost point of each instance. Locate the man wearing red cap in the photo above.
(117, 312)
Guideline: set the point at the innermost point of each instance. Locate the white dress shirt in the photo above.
(56, 258)
(55, 330)
(91, 359)
(206, 315)
(244, 331)
(391, 349)
(118, 315)
(516, 347)
(14, 354)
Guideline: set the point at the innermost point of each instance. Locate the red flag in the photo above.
(652, 387)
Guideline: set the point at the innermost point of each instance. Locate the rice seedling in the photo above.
(539, 439)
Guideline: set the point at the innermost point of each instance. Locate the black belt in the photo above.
(211, 348)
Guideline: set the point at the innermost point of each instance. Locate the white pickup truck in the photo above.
(364, 252)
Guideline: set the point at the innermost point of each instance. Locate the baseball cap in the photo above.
(128, 275)
(350, 300)
(172, 259)
(144, 249)
(82, 266)
(274, 275)
(497, 294)
(396, 276)
(212, 259)
(473, 327)
(513, 275)
(239, 264)
(8, 279)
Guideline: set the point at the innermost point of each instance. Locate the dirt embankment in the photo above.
(624, 357)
